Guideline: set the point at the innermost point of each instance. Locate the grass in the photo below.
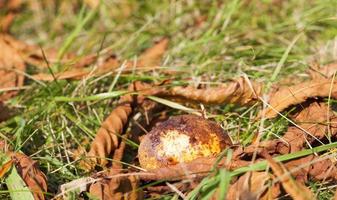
(266, 41)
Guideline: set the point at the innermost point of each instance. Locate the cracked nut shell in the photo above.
(181, 139)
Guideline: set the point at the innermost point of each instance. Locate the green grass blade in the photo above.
(101, 96)
(284, 57)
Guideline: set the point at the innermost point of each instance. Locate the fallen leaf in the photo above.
(239, 91)
(152, 56)
(17, 187)
(296, 190)
(5, 168)
(315, 122)
(107, 137)
(115, 186)
(317, 72)
(293, 95)
(12, 67)
(12, 7)
(149, 59)
(5, 112)
(31, 174)
(76, 186)
(255, 185)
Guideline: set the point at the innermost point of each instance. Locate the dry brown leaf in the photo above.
(107, 137)
(115, 186)
(12, 7)
(317, 122)
(5, 112)
(149, 59)
(31, 174)
(81, 70)
(253, 184)
(287, 96)
(11, 67)
(317, 168)
(5, 168)
(296, 190)
(239, 91)
(327, 71)
(152, 56)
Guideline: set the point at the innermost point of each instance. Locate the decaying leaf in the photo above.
(313, 167)
(31, 174)
(107, 137)
(152, 56)
(5, 168)
(323, 72)
(5, 112)
(316, 122)
(287, 96)
(256, 185)
(12, 7)
(149, 59)
(12, 67)
(295, 189)
(239, 91)
(80, 69)
(115, 186)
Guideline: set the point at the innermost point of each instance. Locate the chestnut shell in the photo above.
(181, 139)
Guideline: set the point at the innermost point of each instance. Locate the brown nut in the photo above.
(181, 139)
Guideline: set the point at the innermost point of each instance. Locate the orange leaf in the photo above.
(5, 168)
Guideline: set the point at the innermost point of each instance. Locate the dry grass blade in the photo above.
(296, 190)
(239, 91)
(287, 96)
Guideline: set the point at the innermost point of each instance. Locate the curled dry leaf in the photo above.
(153, 55)
(313, 167)
(149, 59)
(107, 137)
(296, 190)
(115, 186)
(254, 185)
(239, 91)
(12, 67)
(287, 96)
(31, 174)
(317, 122)
(80, 70)
(323, 72)
(5, 112)
(12, 8)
